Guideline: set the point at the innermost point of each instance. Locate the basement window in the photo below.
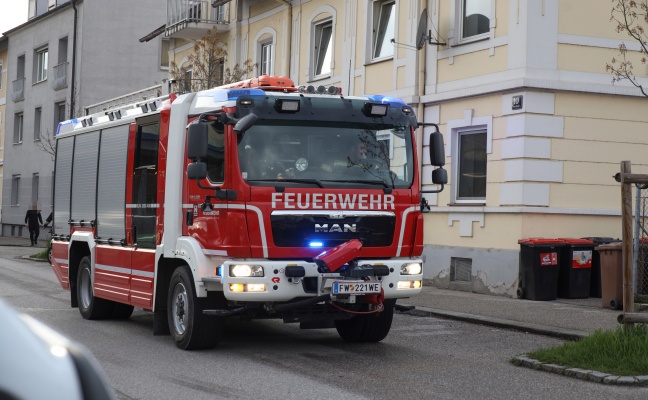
(460, 269)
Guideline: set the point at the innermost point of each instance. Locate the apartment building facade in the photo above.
(534, 127)
(68, 55)
(3, 102)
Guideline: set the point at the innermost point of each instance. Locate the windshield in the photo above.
(326, 154)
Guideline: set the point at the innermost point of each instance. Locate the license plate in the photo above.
(356, 287)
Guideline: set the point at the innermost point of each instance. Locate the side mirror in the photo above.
(197, 141)
(437, 149)
(197, 170)
(440, 176)
(245, 123)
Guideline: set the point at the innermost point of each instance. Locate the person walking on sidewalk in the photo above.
(32, 219)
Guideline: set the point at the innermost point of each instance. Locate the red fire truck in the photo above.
(255, 200)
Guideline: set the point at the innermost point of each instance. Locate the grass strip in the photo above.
(43, 254)
(620, 352)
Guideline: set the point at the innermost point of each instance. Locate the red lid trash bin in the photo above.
(539, 268)
(575, 268)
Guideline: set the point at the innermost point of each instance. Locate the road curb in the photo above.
(538, 329)
(582, 374)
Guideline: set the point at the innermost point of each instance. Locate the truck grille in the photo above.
(373, 230)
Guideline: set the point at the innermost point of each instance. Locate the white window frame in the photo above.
(35, 184)
(222, 69)
(266, 57)
(264, 37)
(374, 24)
(1, 74)
(458, 20)
(38, 123)
(19, 126)
(456, 128)
(162, 55)
(219, 13)
(41, 60)
(326, 62)
(15, 190)
(57, 114)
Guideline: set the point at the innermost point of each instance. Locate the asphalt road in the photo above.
(422, 358)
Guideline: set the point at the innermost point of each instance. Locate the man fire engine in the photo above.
(243, 200)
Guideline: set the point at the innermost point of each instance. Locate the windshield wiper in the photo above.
(366, 181)
(311, 181)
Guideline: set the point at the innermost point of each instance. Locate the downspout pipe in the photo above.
(289, 34)
(421, 92)
(74, 41)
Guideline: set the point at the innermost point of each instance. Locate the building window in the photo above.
(471, 171)
(62, 50)
(15, 186)
(1, 74)
(186, 83)
(20, 67)
(220, 72)
(40, 65)
(474, 21)
(59, 114)
(266, 59)
(384, 20)
(37, 123)
(220, 13)
(34, 195)
(460, 269)
(322, 50)
(164, 54)
(18, 128)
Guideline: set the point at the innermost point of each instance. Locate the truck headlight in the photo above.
(245, 270)
(411, 269)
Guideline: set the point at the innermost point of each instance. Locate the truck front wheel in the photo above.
(91, 307)
(190, 328)
(367, 328)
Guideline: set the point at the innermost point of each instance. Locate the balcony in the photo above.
(18, 93)
(190, 19)
(60, 76)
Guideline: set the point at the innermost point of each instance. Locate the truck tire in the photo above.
(190, 328)
(367, 328)
(90, 307)
(121, 311)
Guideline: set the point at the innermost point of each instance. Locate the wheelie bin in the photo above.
(539, 268)
(611, 274)
(595, 274)
(575, 268)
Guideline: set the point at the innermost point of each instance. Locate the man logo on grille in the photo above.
(335, 228)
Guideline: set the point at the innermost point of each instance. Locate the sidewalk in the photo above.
(23, 242)
(562, 318)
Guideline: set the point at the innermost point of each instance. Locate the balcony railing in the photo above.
(182, 13)
(18, 93)
(60, 76)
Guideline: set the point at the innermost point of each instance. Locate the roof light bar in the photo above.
(321, 89)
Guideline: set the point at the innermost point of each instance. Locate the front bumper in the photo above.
(275, 286)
